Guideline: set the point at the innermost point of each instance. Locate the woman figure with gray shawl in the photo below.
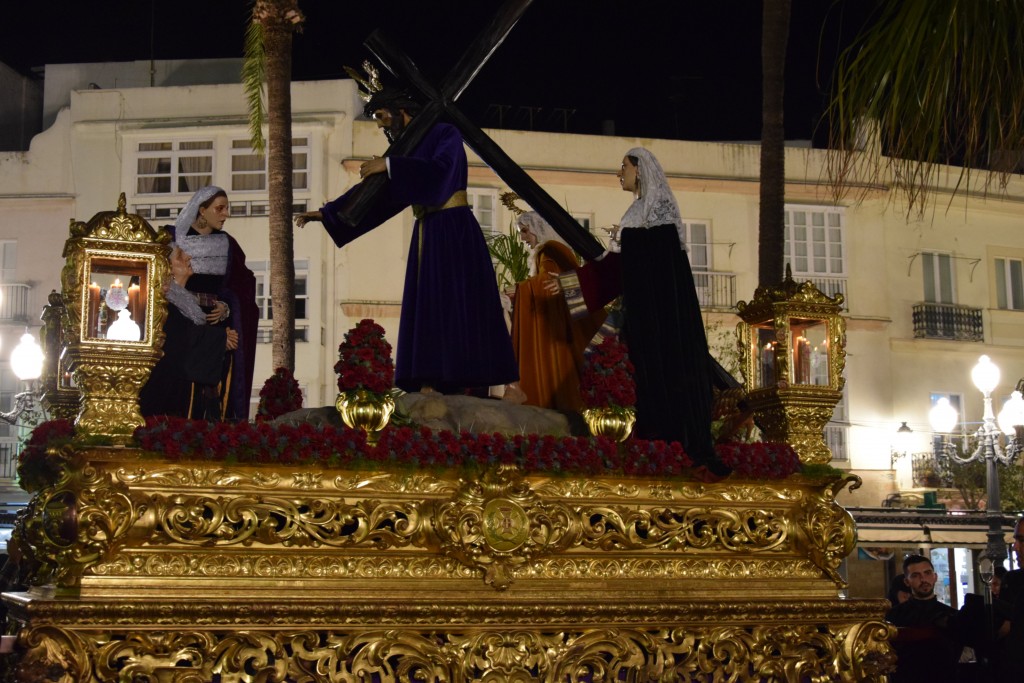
(226, 289)
(647, 265)
(548, 343)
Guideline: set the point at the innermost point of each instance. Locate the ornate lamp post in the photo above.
(943, 418)
(27, 364)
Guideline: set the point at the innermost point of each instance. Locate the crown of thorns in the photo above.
(371, 84)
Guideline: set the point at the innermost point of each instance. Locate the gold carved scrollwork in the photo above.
(53, 654)
(720, 653)
(865, 653)
(224, 521)
(74, 523)
(829, 528)
(736, 530)
(196, 477)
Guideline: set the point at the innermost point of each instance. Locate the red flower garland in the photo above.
(413, 447)
(280, 395)
(35, 468)
(365, 360)
(607, 378)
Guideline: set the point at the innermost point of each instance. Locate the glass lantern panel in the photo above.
(763, 343)
(114, 285)
(810, 351)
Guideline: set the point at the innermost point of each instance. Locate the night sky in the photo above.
(684, 69)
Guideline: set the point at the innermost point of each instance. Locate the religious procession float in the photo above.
(362, 550)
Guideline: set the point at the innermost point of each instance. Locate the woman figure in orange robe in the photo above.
(548, 343)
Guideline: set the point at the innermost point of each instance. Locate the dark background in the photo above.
(683, 69)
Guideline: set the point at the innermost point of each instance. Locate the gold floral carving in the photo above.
(730, 652)
(196, 477)
(226, 521)
(577, 488)
(73, 523)
(393, 483)
(740, 493)
(830, 529)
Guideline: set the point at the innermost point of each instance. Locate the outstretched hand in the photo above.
(303, 218)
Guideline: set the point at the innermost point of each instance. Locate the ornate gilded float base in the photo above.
(448, 640)
(146, 569)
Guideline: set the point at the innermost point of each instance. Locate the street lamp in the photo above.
(27, 364)
(943, 418)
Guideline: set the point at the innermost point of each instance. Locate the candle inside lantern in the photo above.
(801, 360)
(92, 322)
(133, 302)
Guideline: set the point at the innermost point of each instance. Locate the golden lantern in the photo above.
(113, 278)
(792, 344)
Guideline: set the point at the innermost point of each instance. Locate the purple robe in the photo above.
(452, 332)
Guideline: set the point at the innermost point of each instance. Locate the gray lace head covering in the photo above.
(209, 252)
(655, 205)
(539, 227)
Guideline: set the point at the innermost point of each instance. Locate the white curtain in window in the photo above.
(149, 167)
(194, 173)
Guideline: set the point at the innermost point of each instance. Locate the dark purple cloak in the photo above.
(452, 332)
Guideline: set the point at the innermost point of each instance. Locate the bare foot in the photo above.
(514, 395)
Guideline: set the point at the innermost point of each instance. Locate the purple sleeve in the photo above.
(434, 172)
(342, 233)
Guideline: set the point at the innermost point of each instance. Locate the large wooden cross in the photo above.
(442, 103)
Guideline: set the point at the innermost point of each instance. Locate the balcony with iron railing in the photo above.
(829, 286)
(928, 471)
(8, 457)
(948, 321)
(715, 289)
(14, 302)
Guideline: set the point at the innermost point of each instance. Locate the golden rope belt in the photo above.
(460, 198)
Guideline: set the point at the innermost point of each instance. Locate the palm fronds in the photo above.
(254, 76)
(931, 82)
(511, 256)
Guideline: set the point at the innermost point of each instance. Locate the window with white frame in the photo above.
(698, 244)
(173, 166)
(8, 260)
(1009, 284)
(815, 241)
(484, 203)
(261, 269)
(249, 169)
(300, 163)
(937, 270)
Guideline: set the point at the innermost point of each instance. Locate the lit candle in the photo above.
(133, 302)
(94, 311)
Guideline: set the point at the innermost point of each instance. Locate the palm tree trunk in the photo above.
(278, 46)
(771, 232)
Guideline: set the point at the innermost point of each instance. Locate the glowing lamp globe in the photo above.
(1012, 414)
(943, 416)
(985, 375)
(27, 358)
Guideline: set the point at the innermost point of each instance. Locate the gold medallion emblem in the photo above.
(505, 524)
